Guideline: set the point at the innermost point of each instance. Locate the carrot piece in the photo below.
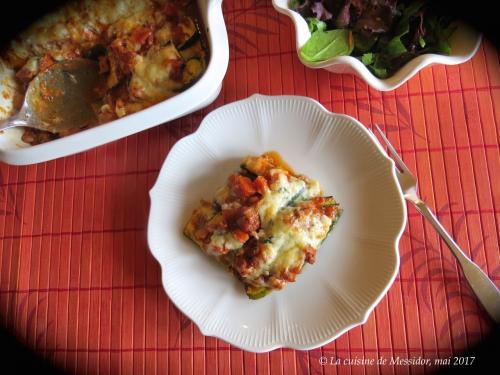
(45, 62)
(260, 184)
(242, 186)
(240, 235)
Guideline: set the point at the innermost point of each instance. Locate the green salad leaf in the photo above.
(315, 24)
(443, 36)
(379, 71)
(395, 48)
(324, 45)
(364, 43)
(413, 7)
(368, 58)
(384, 35)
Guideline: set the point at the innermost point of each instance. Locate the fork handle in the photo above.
(487, 293)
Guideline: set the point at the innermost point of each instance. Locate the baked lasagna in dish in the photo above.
(264, 224)
(147, 50)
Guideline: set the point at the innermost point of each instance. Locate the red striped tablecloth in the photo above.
(77, 282)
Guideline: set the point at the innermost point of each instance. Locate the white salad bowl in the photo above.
(464, 43)
(14, 151)
(356, 264)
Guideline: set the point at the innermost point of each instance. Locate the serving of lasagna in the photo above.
(147, 50)
(264, 224)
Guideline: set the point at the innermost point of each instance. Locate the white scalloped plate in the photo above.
(355, 266)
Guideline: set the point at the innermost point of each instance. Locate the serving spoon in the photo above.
(60, 98)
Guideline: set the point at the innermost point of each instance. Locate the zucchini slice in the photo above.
(192, 35)
(257, 293)
(329, 201)
(189, 32)
(192, 70)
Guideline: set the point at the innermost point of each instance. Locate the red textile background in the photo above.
(77, 282)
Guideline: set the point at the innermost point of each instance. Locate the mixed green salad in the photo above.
(383, 34)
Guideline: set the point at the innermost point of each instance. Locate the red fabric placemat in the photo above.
(78, 284)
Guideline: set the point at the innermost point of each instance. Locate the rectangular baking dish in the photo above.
(14, 151)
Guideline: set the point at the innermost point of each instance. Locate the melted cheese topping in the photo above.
(222, 240)
(62, 32)
(288, 239)
(285, 240)
(265, 228)
(151, 74)
(283, 191)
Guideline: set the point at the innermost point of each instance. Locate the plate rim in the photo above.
(205, 123)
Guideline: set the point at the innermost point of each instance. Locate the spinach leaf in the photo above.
(413, 7)
(314, 24)
(403, 27)
(379, 72)
(379, 65)
(395, 47)
(443, 47)
(326, 44)
(443, 37)
(363, 43)
(368, 58)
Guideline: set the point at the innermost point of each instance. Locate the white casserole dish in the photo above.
(464, 43)
(14, 151)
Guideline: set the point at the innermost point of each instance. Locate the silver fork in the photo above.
(487, 293)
